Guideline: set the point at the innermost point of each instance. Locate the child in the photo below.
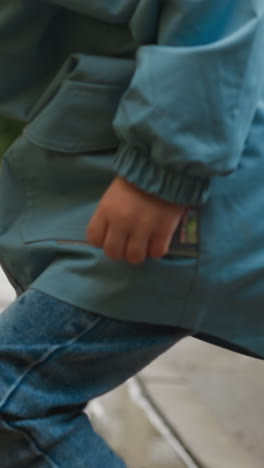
(135, 111)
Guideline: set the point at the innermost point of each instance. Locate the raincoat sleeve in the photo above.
(27, 55)
(187, 112)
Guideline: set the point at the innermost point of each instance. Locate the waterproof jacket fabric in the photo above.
(169, 95)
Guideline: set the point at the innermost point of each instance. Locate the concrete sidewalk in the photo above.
(206, 398)
(212, 400)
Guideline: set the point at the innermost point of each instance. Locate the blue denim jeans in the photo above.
(54, 359)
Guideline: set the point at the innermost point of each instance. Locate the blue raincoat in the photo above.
(169, 94)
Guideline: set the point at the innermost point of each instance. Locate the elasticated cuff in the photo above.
(165, 183)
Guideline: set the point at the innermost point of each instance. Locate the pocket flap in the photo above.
(79, 118)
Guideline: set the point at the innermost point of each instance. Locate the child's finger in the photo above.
(161, 239)
(115, 243)
(96, 231)
(136, 248)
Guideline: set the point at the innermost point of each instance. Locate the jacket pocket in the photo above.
(78, 119)
(64, 157)
(76, 111)
(59, 190)
(63, 160)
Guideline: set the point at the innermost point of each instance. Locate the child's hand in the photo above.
(132, 224)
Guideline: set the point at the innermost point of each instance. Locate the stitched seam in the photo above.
(32, 443)
(45, 358)
(21, 378)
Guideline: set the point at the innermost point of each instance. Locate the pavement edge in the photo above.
(190, 427)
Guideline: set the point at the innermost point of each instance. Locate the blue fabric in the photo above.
(54, 359)
(186, 108)
(193, 95)
(177, 109)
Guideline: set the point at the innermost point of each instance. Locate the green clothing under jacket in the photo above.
(169, 95)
